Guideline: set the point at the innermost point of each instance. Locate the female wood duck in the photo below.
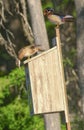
(56, 18)
(27, 52)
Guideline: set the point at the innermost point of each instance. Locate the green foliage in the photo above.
(14, 109)
(63, 127)
(47, 3)
(16, 116)
(17, 77)
(69, 60)
(78, 123)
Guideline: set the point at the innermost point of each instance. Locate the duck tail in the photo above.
(69, 18)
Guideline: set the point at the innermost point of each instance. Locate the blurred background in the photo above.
(15, 33)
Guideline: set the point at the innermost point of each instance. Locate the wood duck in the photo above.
(28, 51)
(56, 18)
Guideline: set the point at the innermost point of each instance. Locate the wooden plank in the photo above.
(43, 53)
(46, 87)
(59, 51)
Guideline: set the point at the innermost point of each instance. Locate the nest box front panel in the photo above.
(46, 85)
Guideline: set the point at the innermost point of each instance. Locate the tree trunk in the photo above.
(80, 46)
(38, 25)
(52, 121)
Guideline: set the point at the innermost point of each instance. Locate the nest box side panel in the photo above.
(46, 86)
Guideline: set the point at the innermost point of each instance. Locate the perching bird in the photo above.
(56, 18)
(28, 51)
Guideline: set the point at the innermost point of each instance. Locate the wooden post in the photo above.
(62, 74)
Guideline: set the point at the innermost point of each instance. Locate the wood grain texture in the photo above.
(62, 73)
(46, 85)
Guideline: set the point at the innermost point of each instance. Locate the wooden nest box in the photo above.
(47, 88)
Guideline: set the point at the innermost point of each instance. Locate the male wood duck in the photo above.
(56, 18)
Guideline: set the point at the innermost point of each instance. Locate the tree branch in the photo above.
(24, 19)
